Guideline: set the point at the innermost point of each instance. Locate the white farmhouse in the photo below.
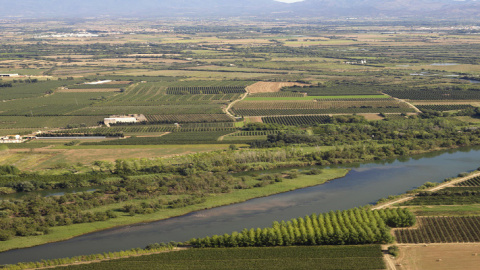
(119, 119)
(12, 139)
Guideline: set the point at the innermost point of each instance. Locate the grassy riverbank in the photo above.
(237, 196)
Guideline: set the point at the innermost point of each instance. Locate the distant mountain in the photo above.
(229, 8)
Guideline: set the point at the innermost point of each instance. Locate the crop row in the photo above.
(434, 94)
(277, 94)
(267, 112)
(182, 118)
(321, 104)
(254, 133)
(210, 84)
(205, 90)
(441, 230)
(156, 94)
(304, 120)
(447, 196)
(335, 89)
(138, 129)
(321, 257)
(444, 107)
(474, 182)
(182, 109)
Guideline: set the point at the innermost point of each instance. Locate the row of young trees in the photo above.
(349, 227)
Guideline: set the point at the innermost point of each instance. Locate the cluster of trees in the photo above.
(9, 170)
(34, 215)
(27, 182)
(354, 226)
(442, 132)
(6, 85)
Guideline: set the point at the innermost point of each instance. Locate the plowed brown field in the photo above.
(270, 87)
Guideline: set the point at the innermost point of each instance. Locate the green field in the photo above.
(322, 258)
(317, 97)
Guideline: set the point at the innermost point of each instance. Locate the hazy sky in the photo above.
(289, 1)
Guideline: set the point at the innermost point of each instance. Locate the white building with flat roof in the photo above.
(115, 120)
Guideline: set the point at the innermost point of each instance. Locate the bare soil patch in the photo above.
(119, 82)
(439, 257)
(270, 87)
(254, 119)
(371, 116)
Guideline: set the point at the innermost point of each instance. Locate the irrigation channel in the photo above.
(365, 184)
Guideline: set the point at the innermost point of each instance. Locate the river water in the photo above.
(365, 184)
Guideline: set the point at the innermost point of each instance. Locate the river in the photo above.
(365, 184)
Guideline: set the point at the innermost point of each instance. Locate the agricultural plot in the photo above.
(254, 133)
(56, 104)
(266, 108)
(188, 118)
(305, 120)
(444, 107)
(105, 131)
(219, 83)
(320, 98)
(434, 94)
(40, 122)
(27, 90)
(96, 86)
(447, 196)
(276, 95)
(322, 258)
(474, 182)
(338, 89)
(270, 87)
(152, 110)
(171, 138)
(156, 94)
(205, 90)
(441, 230)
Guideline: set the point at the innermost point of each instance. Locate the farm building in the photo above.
(99, 82)
(12, 139)
(119, 119)
(9, 75)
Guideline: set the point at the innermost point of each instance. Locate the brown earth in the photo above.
(270, 87)
(371, 116)
(439, 257)
(254, 119)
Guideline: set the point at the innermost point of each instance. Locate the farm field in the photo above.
(327, 257)
(38, 159)
(438, 256)
(441, 230)
(265, 108)
(346, 97)
(307, 120)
